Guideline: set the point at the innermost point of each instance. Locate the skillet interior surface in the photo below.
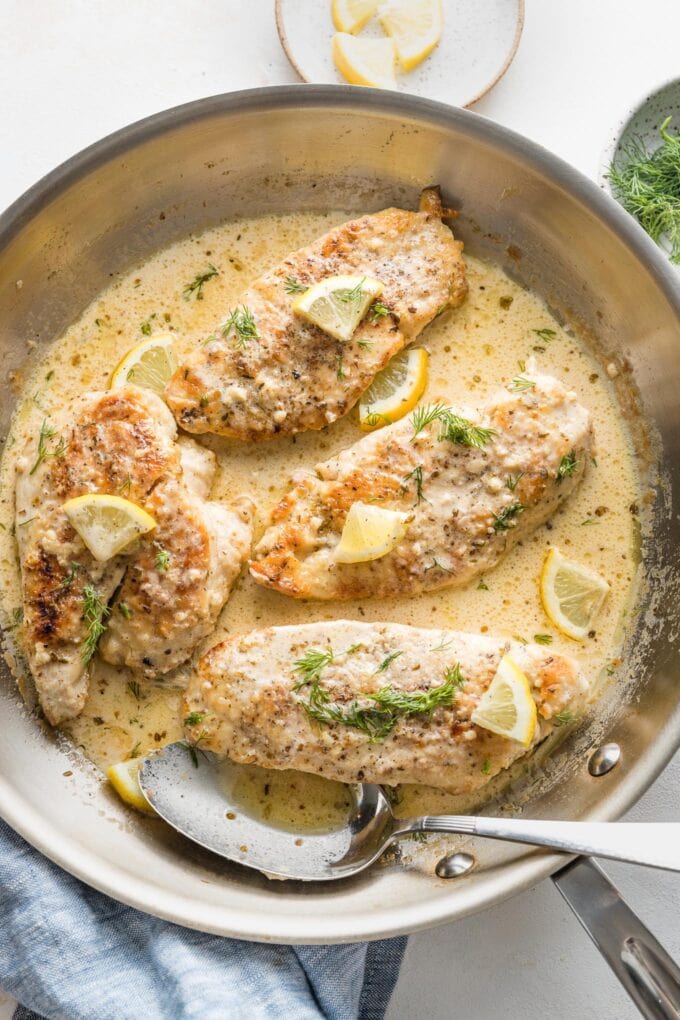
(324, 147)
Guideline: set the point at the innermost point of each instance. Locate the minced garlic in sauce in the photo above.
(473, 350)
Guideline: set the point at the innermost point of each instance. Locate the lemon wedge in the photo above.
(416, 27)
(369, 533)
(107, 524)
(572, 594)
(507, 706)
(124, 778)
(149, 365)
(396, 390)
(338, 304)
(365, 61)
(352, 15)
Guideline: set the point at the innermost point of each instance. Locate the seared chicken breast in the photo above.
(180, 575)
(285, 375)
(473, 481)
(122, 441)
(303, 698)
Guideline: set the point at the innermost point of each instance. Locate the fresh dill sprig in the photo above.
(17, 617)
(46, 434)
(373, 418)
(563, 718)
(293, 286)
(647, 184)
(386, 706)
(242, 324)
(311, 664)
(71, 576)
(162, 560)
(567, 466)
(378, 311)
(364, 344)
(507, 517)
(134, 689)
(453, 427)
(520, 384)
(351, 296)
(543, 639)
(387, 661)
(195, 288)
(194, 718)
(95, 611)
(547, 335)
(416, 475)
(512, 481)
(193, 749)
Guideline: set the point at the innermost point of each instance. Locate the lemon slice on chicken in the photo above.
(416, 27)
(396, 390)
(507, 706)
(352, 15)
(107, 524)
(124, 778)
(572, 594)
(370, 532)
(365, 61)
(338, 304)
(149, 365)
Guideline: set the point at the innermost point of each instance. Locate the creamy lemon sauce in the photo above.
(473, 350)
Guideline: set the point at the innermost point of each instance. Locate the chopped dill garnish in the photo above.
(589, 520)
(482, 586)
(194, 718)
(125, 611)
(193, 748)
(364, 344)
(17, 617)
(512, 481)
(50, 375)
(242, 324)
(386, 706)
(519, 384)
(311, 664)
(135, 751)
(204, 400)
(126, 485)
(417, 476)
(567, 466)
(486, 767)
(340, 373)
(378, 311)
(162, 559)
(352, 296)
(373, 418)
(387, 661)
(195, 288)
(543, 639)
(418, 837)
(522, 365)
(146, 328)
(518, 637)
(294, 286)
(46, 434)
(507, 517)
(452, 427)
(563, 718)
(134, 689)
(647, 184)
(71, 576)
(99, 323)
(546, 335)
(95, 611)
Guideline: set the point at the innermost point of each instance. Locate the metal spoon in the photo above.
(190, 796)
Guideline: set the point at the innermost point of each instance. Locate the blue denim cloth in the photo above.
(70, 953)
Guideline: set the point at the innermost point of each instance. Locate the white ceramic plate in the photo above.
(479, 42)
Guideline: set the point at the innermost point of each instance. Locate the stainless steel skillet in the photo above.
(326, 147)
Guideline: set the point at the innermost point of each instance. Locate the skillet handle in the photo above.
(641, 964)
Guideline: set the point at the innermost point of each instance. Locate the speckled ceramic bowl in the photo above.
(642, 121)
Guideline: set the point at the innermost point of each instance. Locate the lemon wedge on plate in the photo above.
(124, 778)
(352, 15)
(338, 304)
(572, 594)
(507, 706)
(370, 532)
(107, 524)
(149, 365)
(416, 27)
(396, 390)
(364, 61)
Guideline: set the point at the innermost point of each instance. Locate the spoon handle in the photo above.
(655, 844)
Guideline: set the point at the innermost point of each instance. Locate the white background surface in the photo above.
(74, 70)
